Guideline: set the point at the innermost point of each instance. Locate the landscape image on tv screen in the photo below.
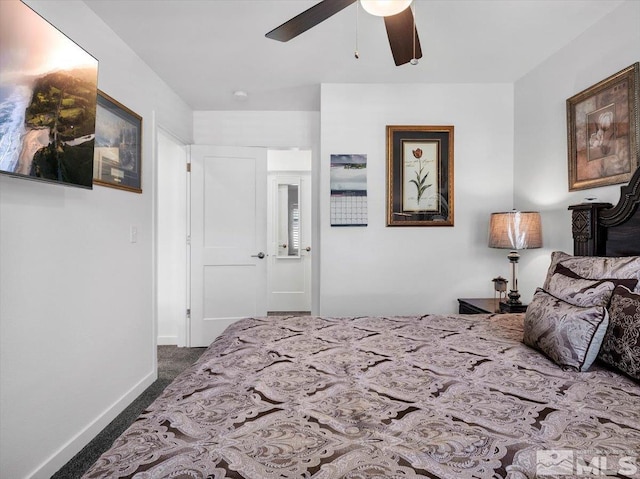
(48, 94)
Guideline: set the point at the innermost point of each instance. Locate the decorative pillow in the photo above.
(572, 288)
(569, 335)
(621, 344)
(596, 267)
(630, 283)
(581, 292)
(566, 271)
(556, 257)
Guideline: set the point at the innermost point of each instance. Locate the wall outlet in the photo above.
(133, 234)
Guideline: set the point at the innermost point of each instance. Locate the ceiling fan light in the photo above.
(384, 8)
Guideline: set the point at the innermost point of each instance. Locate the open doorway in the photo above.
(289, 225)
(171, 253)
(289, 269)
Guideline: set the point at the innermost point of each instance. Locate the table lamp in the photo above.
(515, 230)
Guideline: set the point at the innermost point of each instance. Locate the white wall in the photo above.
(77, 330)
(411, 270)
(540, 170)
(272, 129)
(269, 129)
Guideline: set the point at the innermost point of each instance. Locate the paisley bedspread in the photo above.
(381, 397)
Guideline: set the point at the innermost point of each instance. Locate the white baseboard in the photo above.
(75, 445)
(167, 340)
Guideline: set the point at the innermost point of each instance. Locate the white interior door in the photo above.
(290, 249)
(228, 238)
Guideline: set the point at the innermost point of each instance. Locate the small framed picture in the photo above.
(117, 156)
(603, 131)
(420, 176)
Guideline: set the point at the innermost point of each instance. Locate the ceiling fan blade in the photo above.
(400, 30)
(308, 19)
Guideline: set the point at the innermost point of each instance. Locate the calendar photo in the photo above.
(349, 190)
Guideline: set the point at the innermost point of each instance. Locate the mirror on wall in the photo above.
(288, 212)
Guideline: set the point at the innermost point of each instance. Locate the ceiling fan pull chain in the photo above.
(356, 53)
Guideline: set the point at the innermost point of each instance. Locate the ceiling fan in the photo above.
(398, 19)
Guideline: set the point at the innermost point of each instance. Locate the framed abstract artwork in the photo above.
(603, 131)
(117, 158)
(420, 175)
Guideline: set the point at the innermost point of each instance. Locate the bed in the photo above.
(431, 396)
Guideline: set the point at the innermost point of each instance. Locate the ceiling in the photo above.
(207, 49)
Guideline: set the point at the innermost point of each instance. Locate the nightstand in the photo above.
(478, 305)
(487, 306)
(518, 308)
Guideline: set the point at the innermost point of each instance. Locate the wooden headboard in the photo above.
(600, 229)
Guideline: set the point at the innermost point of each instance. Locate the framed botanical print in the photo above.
(603, 131)
(420, 176)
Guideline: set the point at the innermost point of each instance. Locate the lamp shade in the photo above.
(515, 230)
(384, 8)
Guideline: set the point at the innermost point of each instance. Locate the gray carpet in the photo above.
(171, 362)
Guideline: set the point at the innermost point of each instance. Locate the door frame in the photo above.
(314, 147)
(296, 163)
(182, 323)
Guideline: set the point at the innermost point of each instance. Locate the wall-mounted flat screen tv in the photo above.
(48, 94)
